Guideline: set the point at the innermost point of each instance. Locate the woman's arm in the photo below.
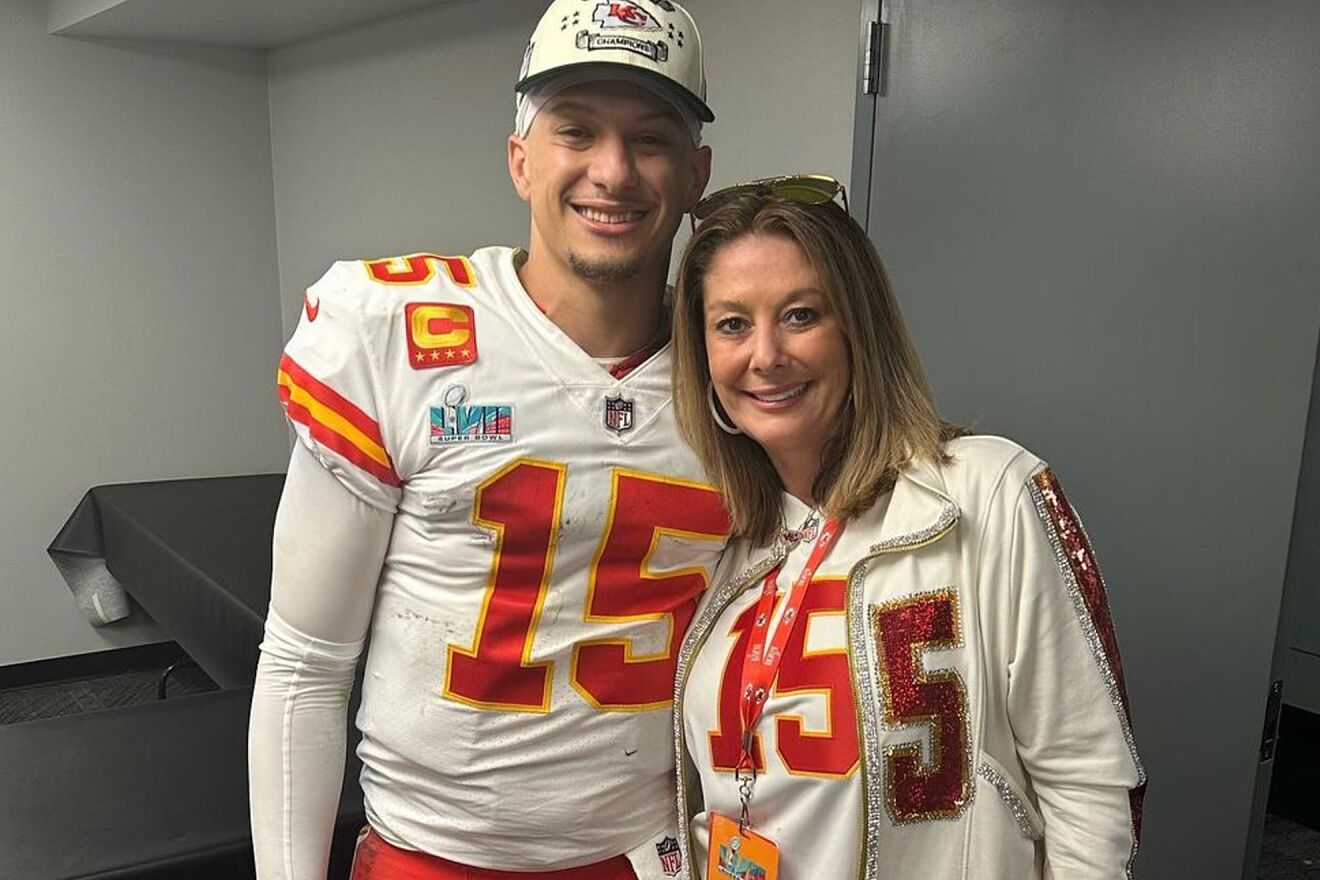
(1067, 703)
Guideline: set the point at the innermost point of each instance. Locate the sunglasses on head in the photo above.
(806, 189)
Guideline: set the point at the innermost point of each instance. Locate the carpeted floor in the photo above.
(1290, 851)
(101, 692)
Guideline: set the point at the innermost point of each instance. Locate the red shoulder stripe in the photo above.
(331, 399)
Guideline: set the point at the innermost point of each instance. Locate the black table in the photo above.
(159, 790)
(195, 554)
(155, 790)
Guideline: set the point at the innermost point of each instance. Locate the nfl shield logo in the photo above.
(671, 860)
(618, 413)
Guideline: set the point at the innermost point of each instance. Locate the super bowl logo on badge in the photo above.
(624, 15)
(456, 421)
(738, 867)
(618, 413)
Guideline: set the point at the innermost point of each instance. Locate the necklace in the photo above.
(788, 538)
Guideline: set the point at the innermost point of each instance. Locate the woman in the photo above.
(906, 667)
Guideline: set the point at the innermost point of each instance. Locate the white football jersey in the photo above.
(807, 795)
(551, 538)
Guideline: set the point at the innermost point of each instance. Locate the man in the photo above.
(487, 475)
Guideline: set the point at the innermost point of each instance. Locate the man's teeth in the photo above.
(781, 395)
(598, 216)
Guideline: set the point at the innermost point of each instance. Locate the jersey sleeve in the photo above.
(1067, 698)
(328, 383)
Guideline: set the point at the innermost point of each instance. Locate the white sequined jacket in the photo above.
(1024, 764)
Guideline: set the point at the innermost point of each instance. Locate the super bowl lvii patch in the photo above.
(457, 421)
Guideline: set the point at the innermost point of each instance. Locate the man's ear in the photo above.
(700, 176)
(518, 166)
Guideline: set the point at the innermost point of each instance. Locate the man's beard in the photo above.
(605, 270)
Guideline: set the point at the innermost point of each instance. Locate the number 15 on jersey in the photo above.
(522, 503)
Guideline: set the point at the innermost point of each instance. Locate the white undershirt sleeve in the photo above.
(328, 550)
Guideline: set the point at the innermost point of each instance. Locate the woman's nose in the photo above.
(767, 349)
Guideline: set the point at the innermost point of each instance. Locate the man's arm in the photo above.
(328, 550)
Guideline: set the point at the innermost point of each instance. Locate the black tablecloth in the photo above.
(195, 554)
(116, 793)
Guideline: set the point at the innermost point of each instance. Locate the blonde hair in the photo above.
(888, 417)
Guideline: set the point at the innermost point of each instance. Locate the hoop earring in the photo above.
(722, 421)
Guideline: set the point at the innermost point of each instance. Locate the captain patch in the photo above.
(440, 335)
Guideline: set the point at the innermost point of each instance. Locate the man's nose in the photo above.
(612, 165)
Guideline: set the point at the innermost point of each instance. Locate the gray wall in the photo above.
(141, 323)
(390, 138)
(1100, 219)
(157, 197)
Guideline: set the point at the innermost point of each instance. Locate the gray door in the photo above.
(1103, 222)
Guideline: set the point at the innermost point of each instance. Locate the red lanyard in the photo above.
(761, 662)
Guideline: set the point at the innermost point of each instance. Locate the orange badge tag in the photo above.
(740, 855)
(440, 335)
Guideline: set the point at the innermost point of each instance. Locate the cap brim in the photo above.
(604, 70)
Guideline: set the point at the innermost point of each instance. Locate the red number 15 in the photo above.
(522, 504)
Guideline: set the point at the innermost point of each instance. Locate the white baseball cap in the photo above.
(651, 41)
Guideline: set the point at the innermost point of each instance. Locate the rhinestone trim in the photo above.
(948, 516)
(865, 698)
(1054, 511)
(1016, 806)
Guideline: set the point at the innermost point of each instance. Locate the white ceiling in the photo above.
(244, 24)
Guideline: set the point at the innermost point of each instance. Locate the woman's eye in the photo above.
(801, 316)
(730, 325)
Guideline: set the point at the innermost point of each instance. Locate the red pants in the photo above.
(378, 860)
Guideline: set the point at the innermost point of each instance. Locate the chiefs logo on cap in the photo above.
(440, 335)
(624, 15)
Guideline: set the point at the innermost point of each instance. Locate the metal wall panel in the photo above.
(1101, 219)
